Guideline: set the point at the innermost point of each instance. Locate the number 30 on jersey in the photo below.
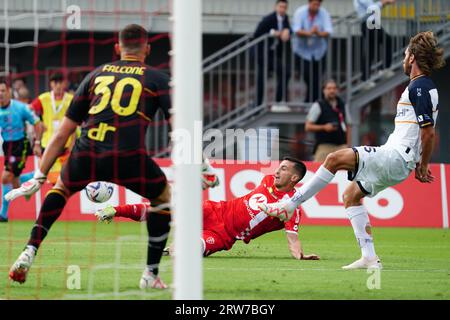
(103, 88)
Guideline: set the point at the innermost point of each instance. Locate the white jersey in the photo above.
(417, 108)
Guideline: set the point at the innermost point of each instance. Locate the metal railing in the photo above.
(356, 58)
(251, 77)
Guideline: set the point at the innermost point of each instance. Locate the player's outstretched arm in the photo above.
(295, 247)
(423, 173)
(51, 153)
(56, 145)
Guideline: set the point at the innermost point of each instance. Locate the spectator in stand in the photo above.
(23, 95)
(274, 59)
(326, 119)
(17, 84)
(312, 26)
(75, 79)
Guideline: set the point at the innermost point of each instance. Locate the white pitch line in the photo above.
(119, 294)
(445, 217)
(110, 266)
(316, 245)
(326, 269)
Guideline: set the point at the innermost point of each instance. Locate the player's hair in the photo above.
(23, 79)
(313, 0)
(132, 38)
(5, 81)
(328, 81)
(284, 1)
(428, 55)
(57, 77)
(299, 166)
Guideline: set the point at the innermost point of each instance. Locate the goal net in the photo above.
(80, 258)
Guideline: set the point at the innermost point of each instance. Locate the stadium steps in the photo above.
(361, 98)
(250, 116)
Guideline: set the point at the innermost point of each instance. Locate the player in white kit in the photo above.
(373, 169)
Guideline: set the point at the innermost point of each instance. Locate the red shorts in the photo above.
(215, 236)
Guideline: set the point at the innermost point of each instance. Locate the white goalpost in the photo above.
(187, 148)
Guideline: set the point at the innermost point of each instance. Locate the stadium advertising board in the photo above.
(410, 204)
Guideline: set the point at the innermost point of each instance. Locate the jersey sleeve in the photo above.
(314, 113)
(328, 25)
(297, 21)
(28, 115)
(157, 86)
(80, 104)
(36, 106)
(421, 101)
(291, 226)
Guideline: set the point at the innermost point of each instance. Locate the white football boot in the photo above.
(149, 280)
(20, 268)
(278, 210)
(364, 263)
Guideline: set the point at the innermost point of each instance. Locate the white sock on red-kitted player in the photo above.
(320, 180)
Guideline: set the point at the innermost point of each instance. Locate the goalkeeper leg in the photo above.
(51, 209)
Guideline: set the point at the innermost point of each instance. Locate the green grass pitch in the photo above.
(416, 265)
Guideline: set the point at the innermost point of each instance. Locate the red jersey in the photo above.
(244, 221)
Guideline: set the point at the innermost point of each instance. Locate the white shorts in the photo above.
(378, 168)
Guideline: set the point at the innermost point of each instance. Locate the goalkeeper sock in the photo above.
(359, 219)
(320, 180)
(158, 226)
(50, 211)
(136, 212)
(5, 204)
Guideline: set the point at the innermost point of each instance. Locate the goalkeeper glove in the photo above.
(27, 189)
(209, 177)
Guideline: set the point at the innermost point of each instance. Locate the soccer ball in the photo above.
(99, 191)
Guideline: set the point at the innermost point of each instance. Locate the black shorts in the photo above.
(15, 153)
(29, 148)
(134, 170)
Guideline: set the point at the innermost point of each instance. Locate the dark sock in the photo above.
(158, 226)
(50, 211)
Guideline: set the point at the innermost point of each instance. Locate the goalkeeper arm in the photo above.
(57, 144)
(52, 152)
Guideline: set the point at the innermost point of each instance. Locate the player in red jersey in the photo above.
(226, 222)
